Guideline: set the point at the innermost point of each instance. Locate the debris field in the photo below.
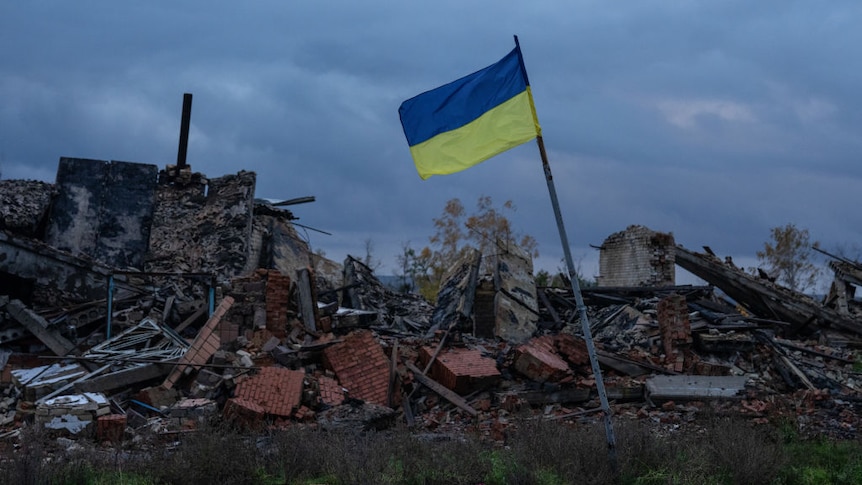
(135, 299)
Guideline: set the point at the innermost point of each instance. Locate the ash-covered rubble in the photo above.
(203, 302)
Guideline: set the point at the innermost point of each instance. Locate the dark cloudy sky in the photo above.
(712, 120)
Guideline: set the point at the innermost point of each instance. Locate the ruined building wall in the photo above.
(637, 256)
(103, 210)
(204, 226)
(277, 245)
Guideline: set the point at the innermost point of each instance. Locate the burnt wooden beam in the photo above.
(762, 297)
(443, 391)
(38, 326)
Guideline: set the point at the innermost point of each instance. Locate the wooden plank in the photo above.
(555, 397)
(441, 390)
(393, 374)
(630, 366)
(307, 305)
(39, 327)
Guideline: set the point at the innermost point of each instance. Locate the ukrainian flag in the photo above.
(467, 121)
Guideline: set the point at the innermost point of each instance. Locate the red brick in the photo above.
(277, 391)
(244, 412)
(361, 367)
(573, 349)
(461, 370)
(675, 330)
(111, 428)
(538, 360)
(206, 338)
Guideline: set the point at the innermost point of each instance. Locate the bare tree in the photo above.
(370, 259)
(487, 229)
(788, 257)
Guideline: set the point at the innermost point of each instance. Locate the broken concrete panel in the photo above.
(685, 387)
(461, 370)
(126, 214)
(457, 292)
(38, 382)
(73, 224)
(125, 377)
(24, 206)
(538, 360)
(71, 423)
(360, 366)
(103, 209)
(637, 256)
(516, 303)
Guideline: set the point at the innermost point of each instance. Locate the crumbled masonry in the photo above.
(218, 309)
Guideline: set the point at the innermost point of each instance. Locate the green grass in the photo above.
(718, 451)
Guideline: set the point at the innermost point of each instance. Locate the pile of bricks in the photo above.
(538, 360)
(574, 349)
(361, 367)
(330, 391)
(461, 370)
(275, 390)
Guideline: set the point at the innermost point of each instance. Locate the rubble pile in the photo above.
(232, 317)
(24, 205)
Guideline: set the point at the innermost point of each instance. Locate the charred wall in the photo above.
(103, 209)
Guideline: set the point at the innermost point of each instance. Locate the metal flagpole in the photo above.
(576, 289)
(582, 309)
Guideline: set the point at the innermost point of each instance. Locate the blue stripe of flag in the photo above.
(460, 102)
